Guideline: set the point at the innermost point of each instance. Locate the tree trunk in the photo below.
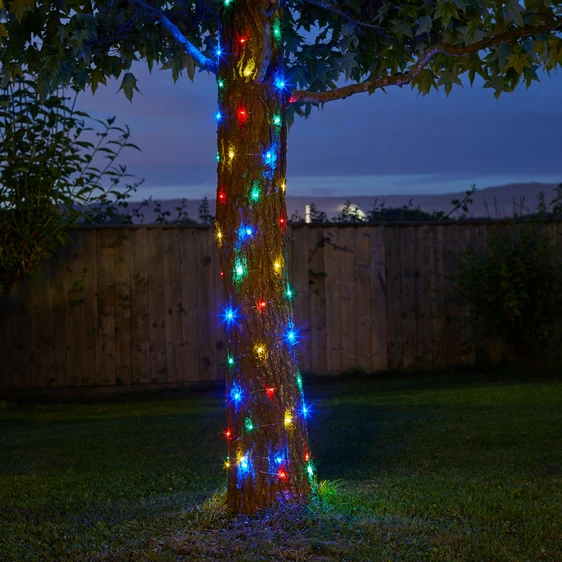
(268, 457)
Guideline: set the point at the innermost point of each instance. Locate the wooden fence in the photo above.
(140, 305)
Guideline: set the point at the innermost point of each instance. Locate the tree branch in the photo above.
(190, 49)
(430, 52)
(349, 18)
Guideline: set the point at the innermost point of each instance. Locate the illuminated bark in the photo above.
(268, 457)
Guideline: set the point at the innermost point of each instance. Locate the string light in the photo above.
(278, 459)
(277, 29)
(236, 394)
(230, 315)
(242, 115)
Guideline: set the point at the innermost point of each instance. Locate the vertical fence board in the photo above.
(188, 256)
(57, 320)
(74, 300)
(173, 303)
(424, 274)
(7, 341)
(467, 239)
(89, 313)
(348, 295)
(122, 283)
(438, 297)
(317, 292)
(453, 337)
(378, 272)
(408, 294)
(333, 295)
(393, 295)
(157, 312)
(207, 318)
(21, 329)
(105, 352)
(34, 321)
(363, 309)
(298, 261)
(140, 317)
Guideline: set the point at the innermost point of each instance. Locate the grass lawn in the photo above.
(429, 468)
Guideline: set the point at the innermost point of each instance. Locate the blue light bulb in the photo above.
(218, 116)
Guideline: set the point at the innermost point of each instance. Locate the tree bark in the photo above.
(268, 456)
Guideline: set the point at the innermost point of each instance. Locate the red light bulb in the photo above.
(228, 433)
(222, 197)
(242, 114)
(270, 390)
(281, 474)
(261, 305)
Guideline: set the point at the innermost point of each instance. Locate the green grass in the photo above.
(426, 468)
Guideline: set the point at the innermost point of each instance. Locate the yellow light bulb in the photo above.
(288, 418)
(227, 464)
(231, 154)
(283, 187)
(278, 265)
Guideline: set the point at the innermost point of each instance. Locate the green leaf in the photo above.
(425, 23)
(518, 62)
(424, 81)
(129, 84)
(446, 11)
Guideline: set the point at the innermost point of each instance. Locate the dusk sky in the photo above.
(394, 143)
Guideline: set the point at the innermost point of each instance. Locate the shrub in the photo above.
(39, 197)
(513, 290)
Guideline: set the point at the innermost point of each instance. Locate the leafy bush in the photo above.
(45, 179)
(513, 290)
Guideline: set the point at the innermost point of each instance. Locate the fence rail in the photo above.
(140, 305)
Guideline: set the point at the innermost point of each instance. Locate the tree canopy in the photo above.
(332, 49)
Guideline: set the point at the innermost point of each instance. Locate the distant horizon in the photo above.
(332, 193)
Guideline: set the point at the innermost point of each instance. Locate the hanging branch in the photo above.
(428, 54)
(190, 49)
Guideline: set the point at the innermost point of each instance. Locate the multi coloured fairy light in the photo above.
(242, 240)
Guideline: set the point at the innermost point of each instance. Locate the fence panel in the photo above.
(139, 305)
